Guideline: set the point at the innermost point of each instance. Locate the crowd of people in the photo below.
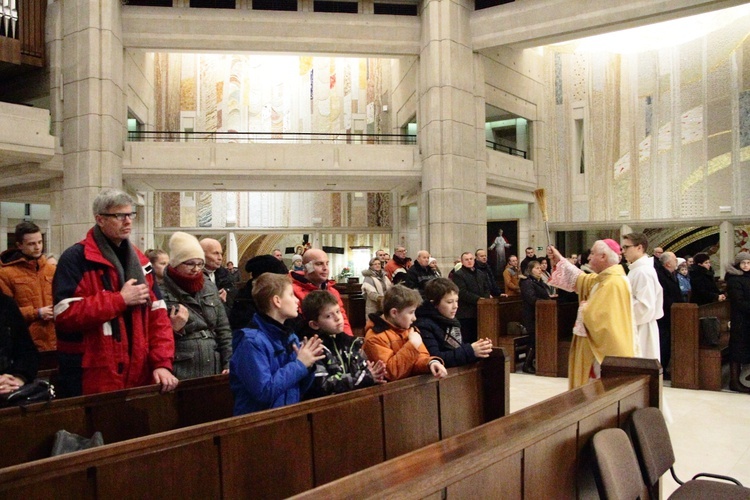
(119, 318)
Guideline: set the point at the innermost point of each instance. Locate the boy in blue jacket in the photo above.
(269, 366)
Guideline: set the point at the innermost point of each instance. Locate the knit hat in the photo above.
(740, 257)
(296, 258)
(681, 261)
(613, 245)
(265, 264)
(183, 247)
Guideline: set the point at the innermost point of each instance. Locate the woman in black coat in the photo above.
(441, 331)
(738, 291)
(19, 358)
(532, 289)
(702, 281)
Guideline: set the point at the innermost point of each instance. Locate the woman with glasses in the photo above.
(203, 339)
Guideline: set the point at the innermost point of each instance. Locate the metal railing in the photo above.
(270, 137)
(506, 149)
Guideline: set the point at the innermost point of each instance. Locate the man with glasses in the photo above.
(400, 262)
(113, 331)
(648, 296)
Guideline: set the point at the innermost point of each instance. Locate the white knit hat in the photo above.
(183, 247)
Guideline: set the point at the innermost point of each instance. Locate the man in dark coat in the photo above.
(672, 294)
(472, 286)
(480, 263)
(420, 273)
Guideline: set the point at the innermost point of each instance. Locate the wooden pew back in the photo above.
(280, 452)
(695, 366)
(118, 415)
(554, 331)
(539, 452)
(493, 317)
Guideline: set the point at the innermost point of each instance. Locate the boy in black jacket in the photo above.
(441, 331)
(345, 366)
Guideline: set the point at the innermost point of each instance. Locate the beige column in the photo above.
(450, 118)
(726, 246)
(91, 102)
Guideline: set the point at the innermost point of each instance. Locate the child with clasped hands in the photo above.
(269, 366)
(391, 337)
(441, 331)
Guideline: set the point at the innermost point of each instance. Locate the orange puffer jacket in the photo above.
(29, 282)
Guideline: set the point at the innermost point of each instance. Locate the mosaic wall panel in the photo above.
(378, 210)
(658, 127)
(273, 210)
(579, 76)
(169, 208)
(273, 93)
(204, 208)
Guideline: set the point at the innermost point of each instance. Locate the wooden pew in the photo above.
(354, 303)
(539, 452)
(118, 415)
(493, 318)
(695, 366)
(554, 333)
(280, 452)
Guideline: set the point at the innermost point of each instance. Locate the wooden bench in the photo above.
(493, 321)
(280, 452)
(695, 366)
(118, 415)
(539, 452)
(554, 333)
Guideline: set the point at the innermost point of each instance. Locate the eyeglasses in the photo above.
(193, 265)
(625, 247)
(121, 217)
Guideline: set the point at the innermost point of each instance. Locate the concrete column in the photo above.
(450, 117)
(54, 239)
(231, 250)
(93, 109)
(726, 246)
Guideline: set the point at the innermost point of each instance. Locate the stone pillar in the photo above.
(54, 239)
(93, 109)
(450, 87)
(726, 246)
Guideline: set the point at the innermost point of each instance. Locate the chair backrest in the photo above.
(618, 475)
(652, 443)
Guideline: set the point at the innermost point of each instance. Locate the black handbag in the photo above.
(37, 391)
(67, 442)
(710, 331)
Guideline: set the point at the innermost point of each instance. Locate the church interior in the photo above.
(361, 125)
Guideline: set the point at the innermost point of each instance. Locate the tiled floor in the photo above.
(710, 430)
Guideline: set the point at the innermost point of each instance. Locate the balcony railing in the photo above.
(506, 149)
(270, 137)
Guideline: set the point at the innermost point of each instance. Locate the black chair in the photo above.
(618, 477)
(653, 447)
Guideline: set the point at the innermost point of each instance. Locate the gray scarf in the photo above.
(134, 269)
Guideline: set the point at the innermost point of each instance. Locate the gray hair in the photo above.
(109, 198)
(666, 257)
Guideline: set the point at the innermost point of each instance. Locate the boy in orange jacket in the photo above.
(392, 339)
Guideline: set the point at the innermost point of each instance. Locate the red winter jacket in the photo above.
(90, 320)
(302, 287)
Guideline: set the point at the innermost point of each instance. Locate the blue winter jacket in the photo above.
(264, 371)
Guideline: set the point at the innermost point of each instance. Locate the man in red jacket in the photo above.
(315, 277)
(113, 331)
